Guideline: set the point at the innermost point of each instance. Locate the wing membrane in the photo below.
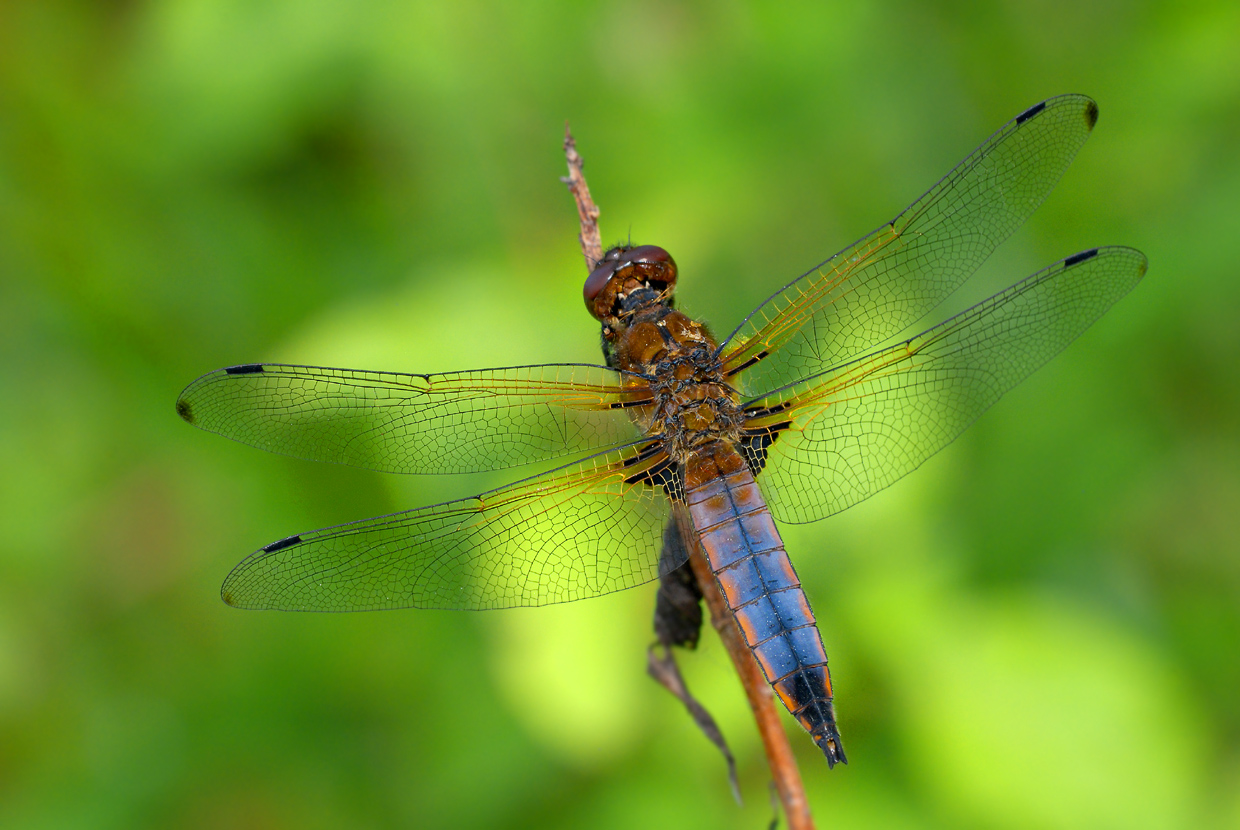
(574, 532)
(448, 423)
(844, 435)
(875, 288)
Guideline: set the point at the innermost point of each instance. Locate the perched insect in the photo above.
(794, 416)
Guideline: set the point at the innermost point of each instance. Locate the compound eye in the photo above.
(647, 254)
(597, 280)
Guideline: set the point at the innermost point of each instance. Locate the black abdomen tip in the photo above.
(832, 749)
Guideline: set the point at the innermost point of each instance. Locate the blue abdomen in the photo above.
(748, 559)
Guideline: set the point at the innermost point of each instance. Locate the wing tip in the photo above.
(1091, 113)
(228, 591)
(1142, 265)
(185, 410)
(233, 600)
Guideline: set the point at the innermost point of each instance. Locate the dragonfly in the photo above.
(806, 408)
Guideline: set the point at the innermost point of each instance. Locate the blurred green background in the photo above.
(1038, 629)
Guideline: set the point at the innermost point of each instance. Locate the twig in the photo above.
(591, 242)
(784, 770)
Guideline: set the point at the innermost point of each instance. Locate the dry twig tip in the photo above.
(587, 211)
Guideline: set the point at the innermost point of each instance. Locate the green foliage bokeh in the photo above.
(1038, 629)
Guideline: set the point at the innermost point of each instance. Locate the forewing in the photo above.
(885, 282)
(840, 437)
(584, 529)
(447, 423)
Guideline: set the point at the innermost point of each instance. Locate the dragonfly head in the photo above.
(627, 278)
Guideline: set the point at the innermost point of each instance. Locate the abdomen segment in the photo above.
(752, 568)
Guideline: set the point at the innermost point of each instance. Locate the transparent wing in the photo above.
(448, 423)
(584, 529)
(840, 437)
(888, 280)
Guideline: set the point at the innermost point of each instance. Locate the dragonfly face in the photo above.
(805, 409)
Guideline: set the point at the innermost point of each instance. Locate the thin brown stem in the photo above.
(587, 211)
(784, 770)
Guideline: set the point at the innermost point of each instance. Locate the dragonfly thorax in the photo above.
(693, 405)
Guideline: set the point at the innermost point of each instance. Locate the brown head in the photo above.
(628, 278)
